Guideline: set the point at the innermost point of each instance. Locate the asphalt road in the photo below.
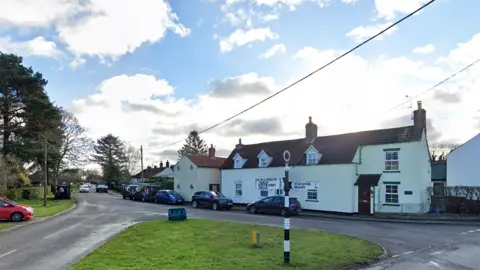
(59, 242)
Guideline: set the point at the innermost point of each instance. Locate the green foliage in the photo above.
(109, 153)
(31, 193)
(14, 194)
(194, 145)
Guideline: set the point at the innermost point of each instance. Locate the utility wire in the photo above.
(436, 85)
(310, 74)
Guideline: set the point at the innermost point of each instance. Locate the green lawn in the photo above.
(53, 207)
(206, 244)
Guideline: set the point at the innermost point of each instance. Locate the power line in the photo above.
(310, 74)
(436, 85)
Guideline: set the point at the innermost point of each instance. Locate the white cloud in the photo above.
(278, 48)
(429, 48)
(241, 37)
(353, 94)
(388, 9)
(38, 46)
(361, 33)
(349, 1)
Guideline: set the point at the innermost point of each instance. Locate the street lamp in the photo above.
(286, 223)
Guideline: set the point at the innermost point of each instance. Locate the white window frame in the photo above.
(312, 158)
(237, 163)
(279, 192)
(238, 189)
(312, 195)
(392, 161)
(389, 192)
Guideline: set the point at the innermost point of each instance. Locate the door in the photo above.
(214, 187)
(5, 210)
(364, 198)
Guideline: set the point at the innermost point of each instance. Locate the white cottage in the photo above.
(463, 164)
(385, 170)
(167, 171)
(195, 173)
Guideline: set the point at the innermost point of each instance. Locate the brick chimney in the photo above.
(420, 118)
(211, 151)
(239, 145)
(311, 129)
(167, 164)
(161, 164)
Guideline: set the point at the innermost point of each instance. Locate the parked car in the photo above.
(63, 192)
(101, 188)
(168, 197)
(10, 210)
(128, 191)
(84, 189)
(145, 193)
(274, 205)
(211, 199)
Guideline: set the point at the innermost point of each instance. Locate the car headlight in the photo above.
(27, 209)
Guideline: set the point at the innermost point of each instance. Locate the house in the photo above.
(148, 173)
(439, 176)
(386, 170)
(167, 172)
(194, 173)
(462, 164)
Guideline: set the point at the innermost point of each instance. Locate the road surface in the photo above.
(59, 242)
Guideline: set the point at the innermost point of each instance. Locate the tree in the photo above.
(109, 153)
(439, 151)
(194, 145)
(132, 160)
(75, 145)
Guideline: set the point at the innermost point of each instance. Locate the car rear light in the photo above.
(293, 205)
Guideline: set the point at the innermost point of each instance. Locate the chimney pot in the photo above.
(310, 119)
(161, 164)
(240, 141)
(211, 151)
(167, 164)
(419, 104)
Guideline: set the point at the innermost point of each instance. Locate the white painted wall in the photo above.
(414, 175)
(463, 164)
(186, 173)
(167, 172)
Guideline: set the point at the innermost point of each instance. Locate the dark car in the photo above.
(128, 191)
(168, 197)
(274, 205)
(211, 199)
(145, 193)
(63, 192)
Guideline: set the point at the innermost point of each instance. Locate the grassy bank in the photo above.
(207, 244)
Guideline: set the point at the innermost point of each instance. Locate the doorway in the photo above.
(364, 200)
(214, 187)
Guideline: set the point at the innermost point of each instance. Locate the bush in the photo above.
(31, 193)
(14, 194)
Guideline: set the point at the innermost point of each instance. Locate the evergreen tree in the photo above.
(109, 153)
(194, 145)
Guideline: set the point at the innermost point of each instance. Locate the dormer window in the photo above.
(238, 161)
(312, 158)
(263, 160)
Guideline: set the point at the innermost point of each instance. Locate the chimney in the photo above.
(239, 145)
(211, 151)
(311, 130)
(149, 168)
(167, 164)
(420, 118)
(161, 164)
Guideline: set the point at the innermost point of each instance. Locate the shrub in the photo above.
(31, 193)
(14, 194)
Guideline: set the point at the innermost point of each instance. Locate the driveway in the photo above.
(59, 242)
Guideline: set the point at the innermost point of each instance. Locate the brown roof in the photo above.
(335, 149)
(207, 162)
(149, 172)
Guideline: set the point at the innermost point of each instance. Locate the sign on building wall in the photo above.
(266, 183)
(304, 185)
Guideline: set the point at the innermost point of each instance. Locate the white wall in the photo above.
(186, 173)
(463, 164)
(167, 172)
(414, 175)
(335, 185)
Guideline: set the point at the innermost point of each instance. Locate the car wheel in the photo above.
(215, 206)
(282, 212)
(124, 197)
(17, 217)
(253, 210)
(194, 204)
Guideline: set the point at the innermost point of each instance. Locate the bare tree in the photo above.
(133, 159)
(76, 146)
(439, 151)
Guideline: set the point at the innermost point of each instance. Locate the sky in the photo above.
(150, 71)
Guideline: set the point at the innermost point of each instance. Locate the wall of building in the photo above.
(188, 178)
(463, 164)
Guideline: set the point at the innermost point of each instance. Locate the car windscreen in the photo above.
(173, 192)
(10, 202)
(217, 194)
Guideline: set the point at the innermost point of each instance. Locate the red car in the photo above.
(10, 210)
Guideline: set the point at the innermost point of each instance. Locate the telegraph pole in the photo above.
(286, 223)
(46, 173)
(141, 161)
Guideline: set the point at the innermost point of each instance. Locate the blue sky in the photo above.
(188, 62)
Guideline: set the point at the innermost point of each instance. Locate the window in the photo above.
(263, 193)
(191, 167)
(238, 189)
(237, 163)
(391, 194)
(1, 203)
(312, 195)
(312, 158)
(178, 168)
(391, 161)
(279, 192)
(263, 161)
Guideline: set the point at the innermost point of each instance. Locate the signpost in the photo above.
(286, 223)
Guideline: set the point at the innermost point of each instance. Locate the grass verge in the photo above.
(208, 244)
(53, 207)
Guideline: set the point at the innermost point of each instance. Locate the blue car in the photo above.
(168, 197)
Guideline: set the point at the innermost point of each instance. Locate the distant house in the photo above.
(149, 172)
(386, 170)
(194, 173)
(167, 172)
(439, 176)
(463, 164)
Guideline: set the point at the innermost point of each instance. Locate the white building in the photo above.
(166, 172)
(384, 170)
(196, 173)
(463, 164)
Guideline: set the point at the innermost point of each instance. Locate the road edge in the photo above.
(368, 263)
(40, 219)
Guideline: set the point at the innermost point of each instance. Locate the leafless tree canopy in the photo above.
(133, 159)
(439, 151)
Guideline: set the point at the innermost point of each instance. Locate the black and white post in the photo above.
(286, 223)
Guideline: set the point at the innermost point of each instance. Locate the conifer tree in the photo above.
(194, 145)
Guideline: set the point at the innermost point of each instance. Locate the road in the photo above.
(59, 242)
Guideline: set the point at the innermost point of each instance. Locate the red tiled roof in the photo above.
(149, 172)
(335, 149)
(207, 162)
